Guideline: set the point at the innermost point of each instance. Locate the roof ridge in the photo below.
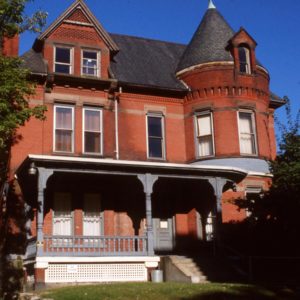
(145, 38)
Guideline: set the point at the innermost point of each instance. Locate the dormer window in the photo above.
(90, 63)
(63, 60)
(244, 60)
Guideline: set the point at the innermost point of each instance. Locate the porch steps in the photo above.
(182, 269)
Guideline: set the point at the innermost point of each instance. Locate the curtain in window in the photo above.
(92, 127)
(89, 63)
(91, 216)
(205, 135)
(64, 129)
(62, 219)
(247, 139)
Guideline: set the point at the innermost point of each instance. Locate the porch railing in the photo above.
(95, 246)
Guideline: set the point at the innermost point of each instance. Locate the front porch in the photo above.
(95, 246)
(96, 215)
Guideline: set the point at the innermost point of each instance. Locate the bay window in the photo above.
(155, 135)
(204, 131)
(92, 130)
(247, 134)
(63, 128)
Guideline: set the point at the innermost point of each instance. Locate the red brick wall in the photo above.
(218, 89)
(11, 46)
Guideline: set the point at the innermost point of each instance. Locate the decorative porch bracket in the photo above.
(218, 184)
(148, 181)
(43, 176)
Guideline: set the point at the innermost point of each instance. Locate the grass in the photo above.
(167, 291)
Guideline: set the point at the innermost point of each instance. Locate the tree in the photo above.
(273, 224)
(15, 87)
(15, 90)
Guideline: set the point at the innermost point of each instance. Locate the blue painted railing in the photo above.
(95, 246)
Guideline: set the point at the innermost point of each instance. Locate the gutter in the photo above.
(129, 163)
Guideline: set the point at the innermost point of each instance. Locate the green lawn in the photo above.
(167, 291)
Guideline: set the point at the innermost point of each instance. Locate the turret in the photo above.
(227, 108)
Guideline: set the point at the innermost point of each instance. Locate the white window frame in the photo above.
(252, 190)
(100, 110)
(98, 65)
(100, 217)
(65, 64)
(71, 216)
(253, 123)
(248, 60)
(197, 115)
(54, 127)
(162, 118)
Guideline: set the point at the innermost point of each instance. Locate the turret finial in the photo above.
(211, 4)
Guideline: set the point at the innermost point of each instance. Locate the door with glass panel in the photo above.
(92, 219)
(62, 218)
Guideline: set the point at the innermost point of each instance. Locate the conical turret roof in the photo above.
(209, 41)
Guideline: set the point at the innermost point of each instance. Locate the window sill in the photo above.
(152, 159)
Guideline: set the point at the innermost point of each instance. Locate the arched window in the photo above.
(244, 60)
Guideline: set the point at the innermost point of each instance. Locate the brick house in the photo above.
(144, 145)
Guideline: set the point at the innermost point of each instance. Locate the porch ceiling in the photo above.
(131, 168)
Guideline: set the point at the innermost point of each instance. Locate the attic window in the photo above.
(244, 60)
(63, 60)
(90, 63)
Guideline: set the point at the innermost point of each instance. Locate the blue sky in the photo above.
(274, 24)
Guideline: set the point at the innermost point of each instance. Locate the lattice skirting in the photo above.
(100, 272)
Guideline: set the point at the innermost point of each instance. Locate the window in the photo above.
(204, 128)
(253, 195)
(90, 63)
(209, 227)
(92, 130)
(247, 133)
(91, 215)
(63, 60)
(244, 59)
(62, 217)
(155, 130)
(64, 128)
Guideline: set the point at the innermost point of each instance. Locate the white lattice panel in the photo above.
(96, 272)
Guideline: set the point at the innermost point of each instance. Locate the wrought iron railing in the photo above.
(95, 246)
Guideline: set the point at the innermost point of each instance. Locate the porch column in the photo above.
(43, 176)
(218, 183)
(148, 181)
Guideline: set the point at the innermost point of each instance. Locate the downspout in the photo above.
(117, 123)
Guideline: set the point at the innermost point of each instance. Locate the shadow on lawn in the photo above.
(241, 293)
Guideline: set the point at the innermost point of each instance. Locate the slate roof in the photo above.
(34, 62)
(209, 41)
(147, 62)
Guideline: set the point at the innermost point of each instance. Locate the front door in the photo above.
(163, 234)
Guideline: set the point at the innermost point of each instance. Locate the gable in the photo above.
(243, 37)
(78, 14)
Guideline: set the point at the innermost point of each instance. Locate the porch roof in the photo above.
(127, 167)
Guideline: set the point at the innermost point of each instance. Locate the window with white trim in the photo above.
(63, 59)
(92, 130)
(244, 60)
(155, 136)
(62, 215)
(91, 215)
(63, 128)
(247, 133)
(90, 63)
(204, 131)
